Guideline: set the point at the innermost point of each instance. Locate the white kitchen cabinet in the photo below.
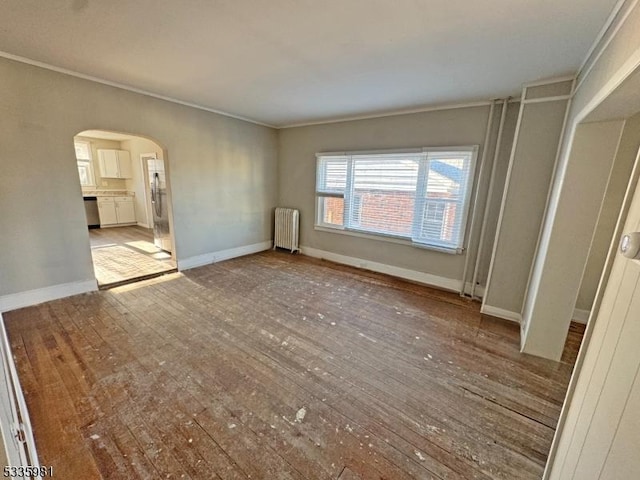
(107, 211)
(114, 163)
(125, 210)
(116, 211)
(108, 160)
(124, 164)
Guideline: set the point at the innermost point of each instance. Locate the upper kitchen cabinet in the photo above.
(114, 163)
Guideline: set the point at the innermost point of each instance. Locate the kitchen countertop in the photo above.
(108, 193)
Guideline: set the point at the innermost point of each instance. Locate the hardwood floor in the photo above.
(100, 237)
(123, 254)
(278, 366)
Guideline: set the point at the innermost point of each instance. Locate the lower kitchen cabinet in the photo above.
(125, 210)
(116, 211)
(107, 211)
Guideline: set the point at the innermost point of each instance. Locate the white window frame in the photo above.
(322, 194)
(86, 164)
(320, 225)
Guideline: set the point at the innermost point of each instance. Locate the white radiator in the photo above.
(286, 229)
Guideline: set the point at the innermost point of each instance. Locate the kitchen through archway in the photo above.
(126, 194)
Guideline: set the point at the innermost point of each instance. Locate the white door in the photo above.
(600, 438)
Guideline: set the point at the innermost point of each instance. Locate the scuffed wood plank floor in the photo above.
(282, 367)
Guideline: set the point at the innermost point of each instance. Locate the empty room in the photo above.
(320, 240)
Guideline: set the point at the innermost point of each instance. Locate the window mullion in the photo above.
(420, 199)
(348, 192)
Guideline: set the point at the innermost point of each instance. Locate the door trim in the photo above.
(17, 434)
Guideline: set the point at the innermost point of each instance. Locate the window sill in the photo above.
(385, 238)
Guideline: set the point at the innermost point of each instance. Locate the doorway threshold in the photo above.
(123, 254)
(119, 283)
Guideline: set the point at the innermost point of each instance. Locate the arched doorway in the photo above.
(125, 192)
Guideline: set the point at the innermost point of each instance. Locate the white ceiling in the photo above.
(284, 62)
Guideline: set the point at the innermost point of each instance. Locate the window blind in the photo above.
(382, 195)
(421, 195)
(442, 198)
(332, 175)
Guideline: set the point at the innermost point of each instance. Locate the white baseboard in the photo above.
(501, 313)
(14, 301)
(479, 292)
(581, 316)
(143, 225)
(413, 275)
(213, 257)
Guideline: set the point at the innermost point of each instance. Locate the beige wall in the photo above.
(547, 311)
(496, 200)
(620, 174)
(592, 155)
(297, 172)
(222, 172)
(523, 204)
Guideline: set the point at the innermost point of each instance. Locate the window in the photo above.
(85, 168)
(422, 196)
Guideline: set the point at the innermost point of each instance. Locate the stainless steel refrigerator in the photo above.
(159, 204)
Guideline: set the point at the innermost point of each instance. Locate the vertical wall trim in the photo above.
(487, 205)
(474, 213)
(505, 192)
